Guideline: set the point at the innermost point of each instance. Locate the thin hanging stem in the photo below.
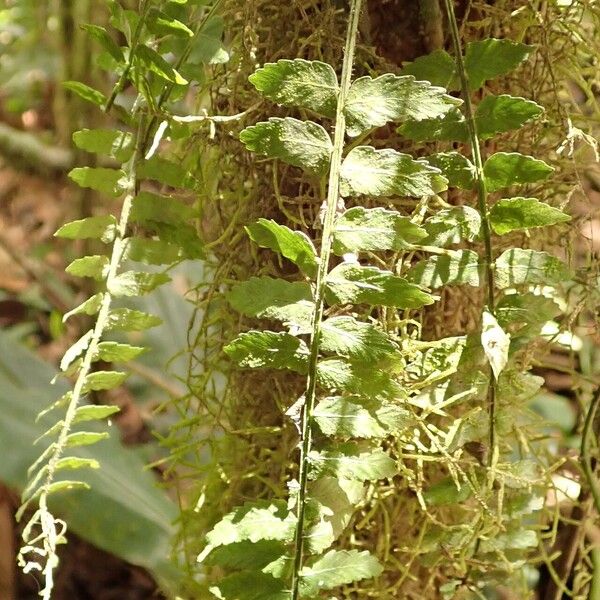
(586, 441)
(482, 207)
(330, 212)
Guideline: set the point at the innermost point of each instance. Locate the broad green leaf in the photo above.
(518, 266)
(293, 245)
(161, 24)
(167, 172)
(136, 283)
(89, 266)
(350, 463)
(456, 168)
(388, 173)
(451, 126)
(504, 169)
(495, 342)
(103, 380)
(250, 585)
(354, 284)
(302, 144)
(348, 337)
(90, 307)
(336, 501)
(151, 252)
(352, 416)
(117, 352)
(445, 493)
(207, 46)
(268, 350)
(452, 226)
(93, 412)
(126, 319)
(102, 228)
(253, 522)
(86, 92)
(438, 67)
(497, 114)
(102, 37)
(362, 229)
(338, 567)
(299, 83)
(461, 268)
(246, 554)
(111, 182)
(85, 438)
(150, 60)
(517, 539)
(162, 209)
(494, 114)
(110, 142)
(375, 102)
(336, 374)
(78, 348)
(514, 214)
(268, 298)
(489, 58)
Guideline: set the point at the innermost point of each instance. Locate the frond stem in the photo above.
(329, 219)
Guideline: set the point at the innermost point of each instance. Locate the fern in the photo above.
(141, 65)
(353, 401)
(341, 355)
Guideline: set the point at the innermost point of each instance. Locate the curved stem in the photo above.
(482, 208)
(330, 212)
(586, 438)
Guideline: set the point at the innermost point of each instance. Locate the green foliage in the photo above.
(142, 64)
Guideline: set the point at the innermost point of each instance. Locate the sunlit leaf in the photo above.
(93, 412)
(461, 268)
(302, 144)
(348, 337)
(293, 245)
(517, 266)
(338, 567)
(495, 342)
(456, 168)
(451, 226)
(108, 181)
(268, 350)
(352, 416)
(89, 266)
(126, 319)
(299, 83)
(269, 298)
(102, 228)
(103, 380)
(151, 60)
(109, 142)
(438, 67)
(375, 102)
(354, 284)
(367, 171)
(136, 283)
(349, 462)
(361, 229)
